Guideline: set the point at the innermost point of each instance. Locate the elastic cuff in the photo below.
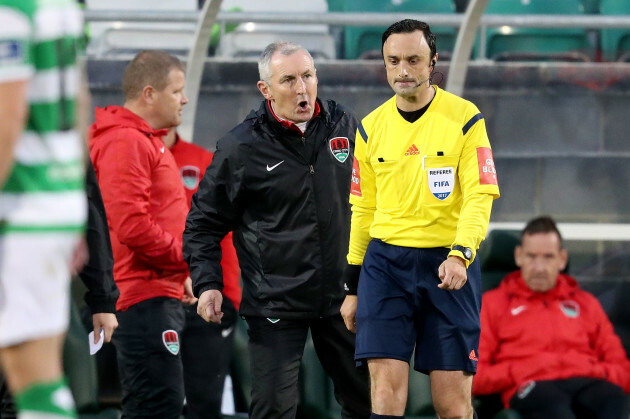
(102, 308)
(351, 277)
(211, 286)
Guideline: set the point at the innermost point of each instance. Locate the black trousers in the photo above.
(206, 356)
(571, 398)
(275, 351)
(149, 361)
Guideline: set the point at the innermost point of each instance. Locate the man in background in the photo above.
(546, 345)
(146, 209)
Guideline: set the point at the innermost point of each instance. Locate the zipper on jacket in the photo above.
(311, 169)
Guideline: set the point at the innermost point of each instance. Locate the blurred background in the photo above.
(555, 96)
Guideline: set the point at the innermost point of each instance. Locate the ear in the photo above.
(518, 255)
(434, 61)
(564, 257)
(264, 89)
(148, 94)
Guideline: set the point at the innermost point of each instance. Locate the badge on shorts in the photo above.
(441, 181)
(190, 176)
(339, 147)
(170, 338)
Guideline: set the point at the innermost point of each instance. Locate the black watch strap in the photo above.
(466, 251)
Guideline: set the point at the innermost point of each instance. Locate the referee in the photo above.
(422, 190)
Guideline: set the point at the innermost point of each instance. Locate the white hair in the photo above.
(285, 48)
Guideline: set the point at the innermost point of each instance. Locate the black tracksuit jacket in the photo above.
(285, 196)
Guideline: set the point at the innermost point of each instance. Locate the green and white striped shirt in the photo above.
(39, 42)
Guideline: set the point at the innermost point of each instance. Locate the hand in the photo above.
(349, 311)
(209, 306)
(189, 298)
(452, 272)
(108, 322)
(80, 256)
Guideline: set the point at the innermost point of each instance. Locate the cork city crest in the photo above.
(339, 147)
(170, 338)
(190, 176)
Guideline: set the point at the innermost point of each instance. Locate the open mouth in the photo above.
(303, 105)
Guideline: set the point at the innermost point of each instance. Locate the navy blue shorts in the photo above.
(401, 309)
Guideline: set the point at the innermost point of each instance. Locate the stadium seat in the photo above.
(496, 257)
(365, 41)
(536, 44)
(111, 38)
(615, 42)
(249, 39)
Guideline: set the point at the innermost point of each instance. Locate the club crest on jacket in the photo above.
(339, 147)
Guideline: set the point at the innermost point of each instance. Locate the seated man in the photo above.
(546, 345)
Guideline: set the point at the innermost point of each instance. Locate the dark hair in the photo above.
(542, 224)
(148, 68)
(410, 26)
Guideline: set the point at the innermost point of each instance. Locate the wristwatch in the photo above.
(466, 251)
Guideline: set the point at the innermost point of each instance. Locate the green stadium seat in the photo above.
(615, 42)
(496, 257)
(365, 41)
(537, 44)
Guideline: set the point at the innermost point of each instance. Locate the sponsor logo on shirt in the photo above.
(355, 186)
(413, 150)
(10, 52)
(339, 147)
(517, 310)
(487, 171)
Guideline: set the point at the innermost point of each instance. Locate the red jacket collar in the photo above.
(117, 117)
(289, 124)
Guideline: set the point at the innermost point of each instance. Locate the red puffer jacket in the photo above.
(145, 204)
(562, 333)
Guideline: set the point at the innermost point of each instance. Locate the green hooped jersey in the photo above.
(39, 42)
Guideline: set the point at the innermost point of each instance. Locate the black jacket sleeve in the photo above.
(98, 273)
(214, 212)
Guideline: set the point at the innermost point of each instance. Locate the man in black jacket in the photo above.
(281, 180)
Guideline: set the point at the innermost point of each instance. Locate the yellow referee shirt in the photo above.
(428, 183)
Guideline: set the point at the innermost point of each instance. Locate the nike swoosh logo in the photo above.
(162, 149)
(226, 332)
(517, 310)
(269, 169)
